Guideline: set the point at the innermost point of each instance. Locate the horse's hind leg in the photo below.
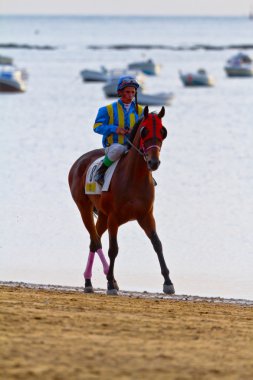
(101, 227)
(112, 286)
(86, 211)
(148, 225)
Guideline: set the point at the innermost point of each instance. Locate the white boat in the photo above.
(94, 76)
(239, 65)
(105, 75)
(12, 79)
(251, 13)
(110, 88)
(147, 67)
(199, 78)
(159, 99)
(4, 60)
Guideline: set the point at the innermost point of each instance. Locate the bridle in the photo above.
(143, 150)
(154, 136)
(135, 147)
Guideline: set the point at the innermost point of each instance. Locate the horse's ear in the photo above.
(146, 111)
(161, 113)
(164, 132)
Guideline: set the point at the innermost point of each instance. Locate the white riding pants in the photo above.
(115, 151)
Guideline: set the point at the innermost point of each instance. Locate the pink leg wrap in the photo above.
(88, 271)
(103, 260)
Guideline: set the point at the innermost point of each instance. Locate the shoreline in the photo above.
(131, 294)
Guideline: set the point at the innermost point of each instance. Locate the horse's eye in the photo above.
(164, 132)
(144, 132)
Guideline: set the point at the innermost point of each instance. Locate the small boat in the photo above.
(159, 99)
(12, 79)
(4, 60)
(110, 88)
(95, 76)
(147, 67)
(200, 78)
(251, 13)
(239, 65)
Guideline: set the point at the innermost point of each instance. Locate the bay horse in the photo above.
(130, 197)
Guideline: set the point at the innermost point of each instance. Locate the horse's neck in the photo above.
(136, 165)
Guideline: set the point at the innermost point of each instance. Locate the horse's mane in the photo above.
(133, 132)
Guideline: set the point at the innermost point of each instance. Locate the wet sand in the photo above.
(50, 333)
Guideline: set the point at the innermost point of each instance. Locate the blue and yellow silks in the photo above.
(110, 117)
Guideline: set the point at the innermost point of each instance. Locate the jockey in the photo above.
(115, 121)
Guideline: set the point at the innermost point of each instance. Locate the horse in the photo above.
(130, 197)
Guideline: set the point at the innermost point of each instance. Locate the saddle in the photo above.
(91, 186)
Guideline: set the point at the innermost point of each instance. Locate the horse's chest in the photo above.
(136, 207)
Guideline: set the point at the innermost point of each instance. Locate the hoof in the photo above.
(88, 289)
(168, 289)
(112, 292)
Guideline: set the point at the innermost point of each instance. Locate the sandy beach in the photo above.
(49, 333)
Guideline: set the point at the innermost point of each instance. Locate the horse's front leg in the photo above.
(149, 226)
(167, 286)
(112, 286)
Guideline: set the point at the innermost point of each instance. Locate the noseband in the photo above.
(144, 151)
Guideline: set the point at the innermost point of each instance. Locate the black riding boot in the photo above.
(99, 176)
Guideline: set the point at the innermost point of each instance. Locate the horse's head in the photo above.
(152, 134)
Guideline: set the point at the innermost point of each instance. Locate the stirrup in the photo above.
(99, 178)
(100, 181)
(100, 174)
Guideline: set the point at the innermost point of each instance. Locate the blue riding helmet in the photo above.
(127, 81)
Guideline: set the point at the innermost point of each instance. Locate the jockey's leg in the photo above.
(99, 176)
(113, 153)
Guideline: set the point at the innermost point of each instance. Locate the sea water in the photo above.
(204, 197)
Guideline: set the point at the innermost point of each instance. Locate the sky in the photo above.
(127, 7)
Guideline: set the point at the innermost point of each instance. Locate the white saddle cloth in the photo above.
(91, 186)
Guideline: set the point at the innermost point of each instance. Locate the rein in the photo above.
(135, 147)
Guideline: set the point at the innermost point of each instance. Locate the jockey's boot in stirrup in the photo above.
(99, 176)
